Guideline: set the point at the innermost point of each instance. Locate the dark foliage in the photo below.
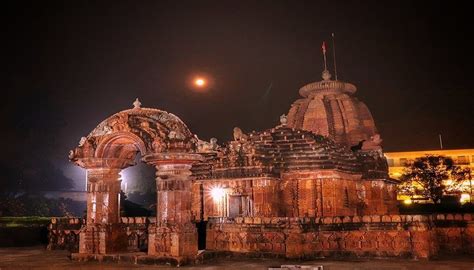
(426, 177)
(37, 205)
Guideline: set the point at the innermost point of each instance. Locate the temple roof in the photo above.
(327, 86)
(278, 150)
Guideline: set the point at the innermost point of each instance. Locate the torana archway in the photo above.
(164, 142)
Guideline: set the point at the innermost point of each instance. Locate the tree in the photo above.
(426, 176)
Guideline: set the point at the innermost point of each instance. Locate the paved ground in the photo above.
(39, 258)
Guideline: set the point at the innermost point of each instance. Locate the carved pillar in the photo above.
(174, 236)
(103, 191)
(103, 233)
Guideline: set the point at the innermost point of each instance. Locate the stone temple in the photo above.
(315, 185)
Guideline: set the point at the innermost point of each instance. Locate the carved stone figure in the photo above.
(82, 141)
(206, 147)
(283, 119)
(375, 143)
(239, 135)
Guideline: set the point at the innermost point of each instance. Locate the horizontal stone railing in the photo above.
(345, 219)
(66, 220)
(64, 232)
(416, 236)
(419, 236)
(138, 220)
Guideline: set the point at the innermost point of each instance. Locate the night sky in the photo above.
(71, 64)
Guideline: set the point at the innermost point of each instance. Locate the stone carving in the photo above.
(283, 119)
(149, 129)
(239, 135)
(82, 141)
(172, 135)
(206, 147)
(375, 143)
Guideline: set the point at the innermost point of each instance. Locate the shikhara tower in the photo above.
(329, 108)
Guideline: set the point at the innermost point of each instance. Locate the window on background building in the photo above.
(462, 160)
(403, 162)
(390, 162)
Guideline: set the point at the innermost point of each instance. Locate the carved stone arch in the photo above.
(109, 144)
(164, 142)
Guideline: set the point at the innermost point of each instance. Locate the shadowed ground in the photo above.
(39, 258)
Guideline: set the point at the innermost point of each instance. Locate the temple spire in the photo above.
(326, 75)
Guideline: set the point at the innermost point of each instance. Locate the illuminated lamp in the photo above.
(217, 193)
(465, 198)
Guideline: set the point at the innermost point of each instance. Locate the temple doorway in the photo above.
(201, 229)
(139, 190)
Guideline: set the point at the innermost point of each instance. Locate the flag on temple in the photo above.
(324, 47)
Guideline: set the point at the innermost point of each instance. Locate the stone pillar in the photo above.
(103, 232)
(174, 236)
(103, 191)
(422, 237)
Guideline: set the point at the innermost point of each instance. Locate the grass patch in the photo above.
(30, 221)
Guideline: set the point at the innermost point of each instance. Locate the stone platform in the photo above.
(131, 258)
(40, 258)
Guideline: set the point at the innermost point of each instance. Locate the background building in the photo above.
(461, 157)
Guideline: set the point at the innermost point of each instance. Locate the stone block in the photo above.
(347, 219)
(419, 218)
(248, 220)
(327, 220)
(396, 218)
(375, 218)
(337, 220)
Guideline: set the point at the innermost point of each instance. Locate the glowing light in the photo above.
(217, 193)
(407, 201)
(200, 82)
(465, 198)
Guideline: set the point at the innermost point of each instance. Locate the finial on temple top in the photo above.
(137, 104)
(326, 75)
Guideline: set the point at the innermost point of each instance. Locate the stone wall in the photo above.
(413, 236)
(410, 236)
(64, 233)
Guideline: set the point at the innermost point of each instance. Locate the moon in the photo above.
(200, 82)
